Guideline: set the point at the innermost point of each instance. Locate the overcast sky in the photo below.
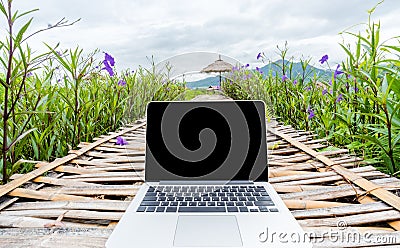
(133, 30)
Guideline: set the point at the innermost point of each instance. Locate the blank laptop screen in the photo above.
(224, 141)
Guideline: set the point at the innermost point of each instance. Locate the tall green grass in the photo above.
(358, 109)
(51, 102)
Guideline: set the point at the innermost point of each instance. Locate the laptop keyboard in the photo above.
(192, 199)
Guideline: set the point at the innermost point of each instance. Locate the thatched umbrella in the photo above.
(218, 66)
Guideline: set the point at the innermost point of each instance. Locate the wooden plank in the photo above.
(37, 194)
(307, 204)
(341, 211)
(313, 175)
(24, 222)
(368, 186)
(4, 189)
(71, 213)
(101, 205)
(357, 219)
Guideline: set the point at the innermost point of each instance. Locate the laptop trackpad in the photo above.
(207, 231)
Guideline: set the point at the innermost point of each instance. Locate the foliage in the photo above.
(52, 102)
(359, 107)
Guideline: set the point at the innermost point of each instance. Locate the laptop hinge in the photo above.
(205, 182)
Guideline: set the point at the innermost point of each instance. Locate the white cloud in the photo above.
(132, 30)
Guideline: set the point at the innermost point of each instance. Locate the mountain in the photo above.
(203, 83)
(275, 69)
(296, 72)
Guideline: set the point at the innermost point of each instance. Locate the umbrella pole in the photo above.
(219, 79)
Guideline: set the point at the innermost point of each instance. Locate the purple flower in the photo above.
(295, 82)
(259, 70)
(284, 77)
(235, 68)
(121, 141)
(324, 91)
(308, 88)
(339, 98)
(29, 74)
(218, 87)
(324, 59)
(337, 72)
(330, 82)
(355, 89)
(121, 82)
(109, 59)
(108, 68)
(311, 113)
(259, 55)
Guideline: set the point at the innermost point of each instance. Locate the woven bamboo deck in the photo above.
(77, 200)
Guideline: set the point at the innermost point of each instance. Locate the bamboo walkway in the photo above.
(77, 200)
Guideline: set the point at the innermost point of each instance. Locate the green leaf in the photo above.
(20, 137)
(21, 32)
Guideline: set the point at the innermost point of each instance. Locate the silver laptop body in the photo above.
(206, 183)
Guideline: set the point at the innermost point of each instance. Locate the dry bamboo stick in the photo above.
(102, 205)
(341, 211)
(72, 213)
(37, 194)
(303, 204)
(357, 219)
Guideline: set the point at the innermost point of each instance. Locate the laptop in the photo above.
(206, 181)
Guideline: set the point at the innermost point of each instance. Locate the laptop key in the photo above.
(210, 203)
(150, 198)
(264, 203)
(273, 210)
(232, 209)
(171, 209)
(230, 204)
(149, 203)
(201, 209)
(151, 209)
(221, 204)
(173, 204)
(243, 209)
(160, 209)
(162, 198)
(249, 203)
(151, 194)
(201, 204)
(263, 198)
(192, 204)
(183, 204)
(239, 204)
(164, 204)
(253, 210)
(141, 209)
